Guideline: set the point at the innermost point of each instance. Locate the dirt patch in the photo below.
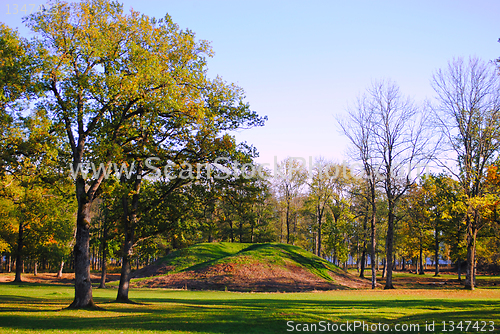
(51, 278)
(428, 281)
(424, 282)
(251, 277)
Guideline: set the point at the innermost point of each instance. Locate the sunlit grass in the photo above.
(35, 308)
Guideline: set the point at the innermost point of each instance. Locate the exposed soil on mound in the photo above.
(155, 269)
(250, 277)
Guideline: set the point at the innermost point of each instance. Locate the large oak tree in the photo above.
(106, 73)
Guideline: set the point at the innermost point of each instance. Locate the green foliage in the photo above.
(36, 198)
(16, 70)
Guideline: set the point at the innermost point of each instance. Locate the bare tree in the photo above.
(402, 146)
(356, 126)
(468, 116)
(389, 133)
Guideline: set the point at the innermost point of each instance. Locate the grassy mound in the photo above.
(245, 267)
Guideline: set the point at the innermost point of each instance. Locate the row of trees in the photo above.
(129, 95)
(391, 138)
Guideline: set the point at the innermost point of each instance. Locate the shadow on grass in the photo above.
(267, 314)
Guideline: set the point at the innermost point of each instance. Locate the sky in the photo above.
(301, 63)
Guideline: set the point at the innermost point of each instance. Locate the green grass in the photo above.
(35, 308)
(201, 255)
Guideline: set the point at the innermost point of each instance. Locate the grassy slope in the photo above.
(206, 254)
(31, 308)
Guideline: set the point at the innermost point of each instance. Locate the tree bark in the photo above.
(288, 222)
(436, 252)
(319, 220)
(389, 247)
(122, 295)
(19, 257)
(384, 267)
(130, 220)
(60, 272)
(240, 230)
(373, 255)
(420, 259)
(83, 284)
(362, 264)
(471, 250)
(231, 234)
(251, 233)
(104, 259)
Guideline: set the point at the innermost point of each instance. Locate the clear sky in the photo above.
(302, 62)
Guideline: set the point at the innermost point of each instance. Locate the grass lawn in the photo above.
(38, 308)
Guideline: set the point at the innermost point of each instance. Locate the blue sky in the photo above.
(302, 62)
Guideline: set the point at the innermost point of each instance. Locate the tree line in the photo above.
(100, 86)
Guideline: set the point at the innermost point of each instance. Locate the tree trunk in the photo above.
(384, 267)
(389, 247)
(319, 220)
(60, 272)
(251, 233)
(373, 241)
(420, 259)
(475, 267)
(83, 284)
(129, 225)
(122, 295)
(241, 231)
(104, 259)
(471, 260)
(93, 257)
(362, 264)
(35, 271)
(19, 257)
(287, 223)
(281, 229)
(231, 234)
(436, 252)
